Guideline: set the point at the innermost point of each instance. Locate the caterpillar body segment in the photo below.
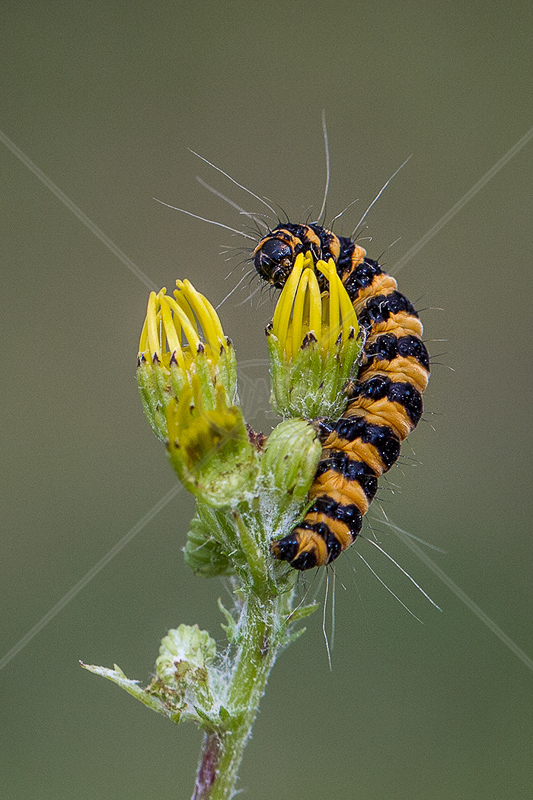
(385, 401)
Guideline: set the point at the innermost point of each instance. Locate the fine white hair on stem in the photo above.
(261, 200)
(203, 219)
(326, 145)
(376, 198)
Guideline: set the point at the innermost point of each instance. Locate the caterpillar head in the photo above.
(274, 257)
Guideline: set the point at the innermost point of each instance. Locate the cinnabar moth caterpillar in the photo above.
(386, 400)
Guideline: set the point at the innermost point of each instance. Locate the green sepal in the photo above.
(227, 371)
(311, 385)
(291, 637)
(230, 629)
(153, 404)
(204, 554)
(303, 611)
(290, 459)
(288, 635)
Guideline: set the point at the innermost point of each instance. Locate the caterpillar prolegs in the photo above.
(385, 402)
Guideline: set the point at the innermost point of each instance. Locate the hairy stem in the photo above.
(258, 637)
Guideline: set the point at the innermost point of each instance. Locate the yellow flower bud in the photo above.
(313, 341)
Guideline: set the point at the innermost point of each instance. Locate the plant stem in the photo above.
(207, 768)
(258, 637)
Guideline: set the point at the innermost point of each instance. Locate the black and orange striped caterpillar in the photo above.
(385, 401)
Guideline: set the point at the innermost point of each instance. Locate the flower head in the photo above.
(187, 375)
(181, 337)
(313, 341)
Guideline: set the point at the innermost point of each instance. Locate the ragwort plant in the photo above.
(249, 491)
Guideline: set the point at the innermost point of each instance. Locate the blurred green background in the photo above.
(106, 98)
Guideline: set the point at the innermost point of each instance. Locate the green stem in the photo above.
(259, 628)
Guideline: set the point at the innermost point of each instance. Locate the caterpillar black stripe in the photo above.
(386, 400)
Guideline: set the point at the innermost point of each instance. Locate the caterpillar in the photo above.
(385, 401)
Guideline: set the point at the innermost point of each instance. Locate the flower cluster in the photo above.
(187, 377)
(249, 489)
